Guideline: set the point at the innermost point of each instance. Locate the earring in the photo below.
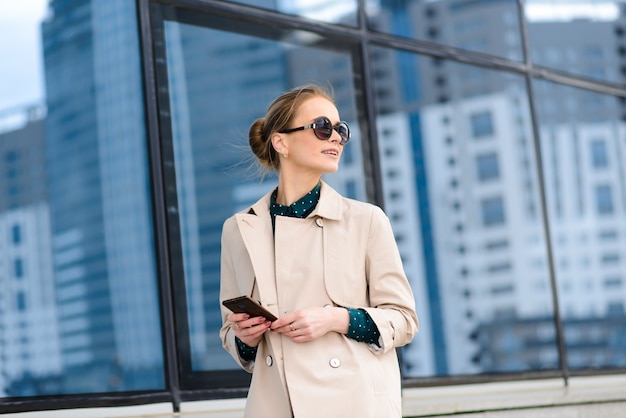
(286, 155)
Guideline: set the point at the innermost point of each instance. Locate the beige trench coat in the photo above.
(334, 376)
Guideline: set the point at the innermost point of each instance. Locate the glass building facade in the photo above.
(491, 132)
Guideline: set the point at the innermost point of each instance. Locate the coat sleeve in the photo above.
(392, 305)
(229, 289)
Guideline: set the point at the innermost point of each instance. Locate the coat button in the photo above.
(269, 361)
(334, 363)
(319, 222)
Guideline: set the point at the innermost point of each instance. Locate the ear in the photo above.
(280, 143)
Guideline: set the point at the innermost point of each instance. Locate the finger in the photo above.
(251, 324)
(258, 330)
(233, 317)
(283, 321)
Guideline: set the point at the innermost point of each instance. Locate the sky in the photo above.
(21, 78)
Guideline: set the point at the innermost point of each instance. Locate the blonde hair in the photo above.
(279, 115)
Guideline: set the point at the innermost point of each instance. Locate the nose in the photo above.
(334, 136)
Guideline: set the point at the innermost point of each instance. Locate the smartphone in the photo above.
(245, 304)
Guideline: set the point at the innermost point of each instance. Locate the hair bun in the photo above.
(257, 141)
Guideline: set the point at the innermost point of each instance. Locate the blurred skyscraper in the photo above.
(29, 340)
(104, 269)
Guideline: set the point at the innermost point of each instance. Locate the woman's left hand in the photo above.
(311, 323)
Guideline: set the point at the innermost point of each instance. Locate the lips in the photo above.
(334, 152)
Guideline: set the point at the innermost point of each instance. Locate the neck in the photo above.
(291, 189)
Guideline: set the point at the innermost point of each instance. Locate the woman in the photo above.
(327, 266)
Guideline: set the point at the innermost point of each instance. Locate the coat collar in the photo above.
(330, 203)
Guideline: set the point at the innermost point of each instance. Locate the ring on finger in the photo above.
(292, 327)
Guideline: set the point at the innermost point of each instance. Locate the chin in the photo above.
(330, 170)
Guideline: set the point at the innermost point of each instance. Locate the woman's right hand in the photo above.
(248, 330)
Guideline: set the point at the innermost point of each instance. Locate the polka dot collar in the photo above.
(298, 209)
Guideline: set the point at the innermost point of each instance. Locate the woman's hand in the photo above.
(248, 330)
(311, 323)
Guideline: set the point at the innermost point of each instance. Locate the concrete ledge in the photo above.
(136, 411)
(585, 397)
(226, 408)
(597, 410)
(499, 396)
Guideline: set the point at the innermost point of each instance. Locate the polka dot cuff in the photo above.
(362, 328)
(246, 352)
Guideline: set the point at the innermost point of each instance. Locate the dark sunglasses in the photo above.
(323, 129)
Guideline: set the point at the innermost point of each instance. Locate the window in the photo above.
(604, 200)
(10, 157)
(612, 258)
(497, 245)
(18, 268)
(613, 283)
(492, 211)
(499, 268)
(202, 171)
(73, 187)
(503, 289)
(16, 234)
(20, 300)
(608, 235)
(599, 155)
(481, 125)
(487, 166)
(615, 309)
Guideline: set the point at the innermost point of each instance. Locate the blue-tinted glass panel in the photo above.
(487, 166)
(20, 304)
(18, 268)
(338, 11)
(604, 199)
(219, 83)
(474, 250)
(587, 213)
(482, 124)
(487, 26)
(16, 234)
(599, 154)
(81, 314)
(492, 211)
(581, 38)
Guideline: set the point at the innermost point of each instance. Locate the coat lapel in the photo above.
(256, 232)
(329, 205)
(257, 235)
(330, 208)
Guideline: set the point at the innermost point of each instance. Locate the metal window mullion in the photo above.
(372, 166)
(543, 199)
(172, 373)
